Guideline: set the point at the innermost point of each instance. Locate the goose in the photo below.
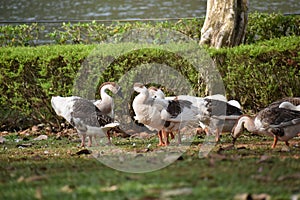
(215, 105)
(275, 121)
(160, 114)
(88, 117)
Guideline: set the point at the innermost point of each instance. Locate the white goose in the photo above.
(221, 113)
(160, 114)
(88, 117)
(278, 122)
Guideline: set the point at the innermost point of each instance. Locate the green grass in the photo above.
(51, 169)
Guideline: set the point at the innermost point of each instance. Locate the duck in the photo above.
(217, 118)
(89, 118)
(161, 115)
(275, 120)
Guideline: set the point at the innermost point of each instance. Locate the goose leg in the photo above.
(217, 135)
(206, 130)
(166, 138)
(169, 133)
(160, 140)
(274, 142)
(172, 135)
(96, 141)
(83, 140)
(90, 142)
(179, 137)
(108, 137)
(286, 143)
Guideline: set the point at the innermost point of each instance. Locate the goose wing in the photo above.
(89, 114)
(219, 108)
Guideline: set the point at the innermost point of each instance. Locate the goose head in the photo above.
(289, 105)
(156, 93)
(244, 121)
(140, 88)
(112, 86)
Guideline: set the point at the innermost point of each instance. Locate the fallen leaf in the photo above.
(38, 193)
(20, 179)
(247, 196)
(25, 132)
(264, 158)
(2, 140)
(35, 178)
(290, 176)
(227, 147)
(3, 133)
(285, 149)
(218, 156)
(262, 178)
(37, 157)
(41, 137)
(177, 192)
(109, 189)
(141, 135)
(35, 128)
(243, 196)
(67, 188)
(260, 197)
(172, 158)
(295, 197)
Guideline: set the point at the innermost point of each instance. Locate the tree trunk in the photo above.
(225, 23)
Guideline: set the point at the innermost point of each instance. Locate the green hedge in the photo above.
(261, 73)
(254, 74)
(261, 26)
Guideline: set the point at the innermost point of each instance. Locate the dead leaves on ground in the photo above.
(32, 178)
(247, 196)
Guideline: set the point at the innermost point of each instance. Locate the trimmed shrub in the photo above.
(254, 74)
(261, 73)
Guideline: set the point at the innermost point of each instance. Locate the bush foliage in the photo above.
(261, 27)
(254, 74)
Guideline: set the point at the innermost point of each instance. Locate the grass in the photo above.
(51, 169)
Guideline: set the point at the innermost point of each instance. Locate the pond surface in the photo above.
(65, 10)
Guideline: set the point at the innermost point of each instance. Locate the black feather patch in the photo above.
(89, 114)
(175, 107)
(218, 108)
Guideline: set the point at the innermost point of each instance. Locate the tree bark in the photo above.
(225, 23)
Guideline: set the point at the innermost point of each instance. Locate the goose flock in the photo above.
(169, 115)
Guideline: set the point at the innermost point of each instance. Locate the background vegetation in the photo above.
(257, 73)
(265, 69)
(261, 27)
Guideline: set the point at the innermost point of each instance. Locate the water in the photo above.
(65, 10)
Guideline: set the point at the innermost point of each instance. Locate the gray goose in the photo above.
(275, 121)
(90, 118)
